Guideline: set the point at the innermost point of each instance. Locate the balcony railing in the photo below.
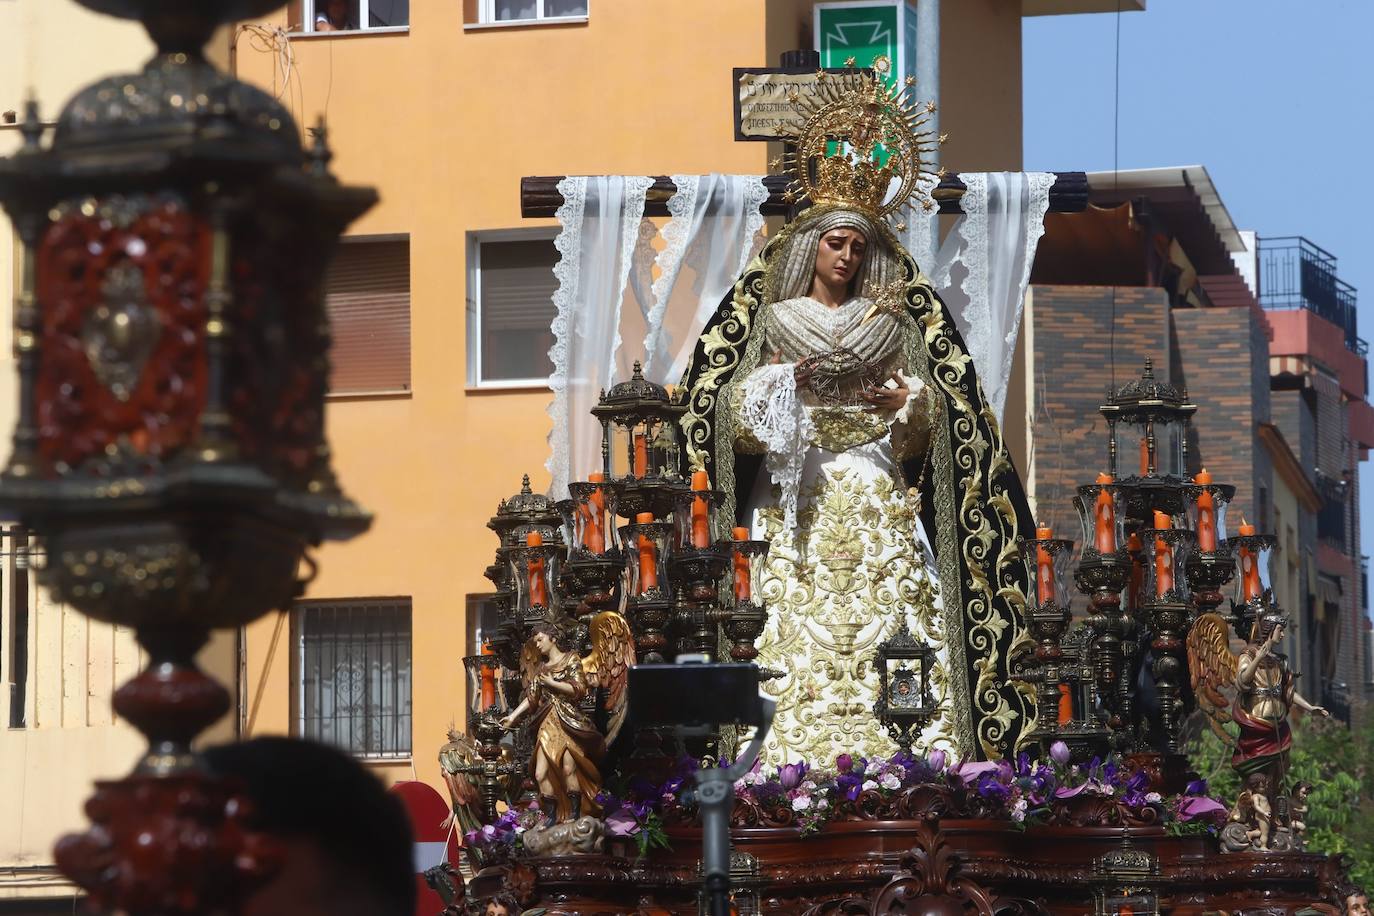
(1336, 699)
(1296, 274)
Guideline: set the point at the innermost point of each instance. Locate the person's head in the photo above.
(547, 636)
(819, 240)
(337, 11)
(1271, 622)
(1356, 901)
(502, 905)
(347, 843)
(839, 256)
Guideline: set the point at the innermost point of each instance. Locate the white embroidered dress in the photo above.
(848, 559)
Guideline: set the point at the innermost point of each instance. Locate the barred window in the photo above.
(355, 675)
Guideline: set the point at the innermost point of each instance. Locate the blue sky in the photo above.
(1275, 98)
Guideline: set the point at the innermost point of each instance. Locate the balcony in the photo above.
(1296, 274)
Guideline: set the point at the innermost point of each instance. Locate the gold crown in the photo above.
(858, 134)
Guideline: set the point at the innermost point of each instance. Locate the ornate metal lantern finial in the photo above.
(169, 450)
(1149, 417)
(905, 702)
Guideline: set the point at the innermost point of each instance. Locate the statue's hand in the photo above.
(890, 397)
(508, 722)
(1322, 711)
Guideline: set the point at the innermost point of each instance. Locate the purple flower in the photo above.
(972, 772)
(990, 788)
(1192, 807)
(790, 775)
(844, 763)
(622, 823)
(1196, 787)
(850, 784)
(937, 760)
(1066, 792)
(1059, 753)
(1023, 764)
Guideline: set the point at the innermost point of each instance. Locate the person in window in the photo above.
(335, 16)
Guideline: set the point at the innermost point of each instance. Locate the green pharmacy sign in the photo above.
(866, 30)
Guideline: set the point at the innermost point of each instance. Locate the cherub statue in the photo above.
(1254, 810)
(1297, 811)
(568, 748)
(1265, 691)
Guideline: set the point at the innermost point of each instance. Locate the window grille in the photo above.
(510, 312)
(355, 675)
(15, 615)
(358, 15)
(368, 299)
(532, 10)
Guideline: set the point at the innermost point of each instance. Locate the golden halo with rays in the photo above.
(858, 135)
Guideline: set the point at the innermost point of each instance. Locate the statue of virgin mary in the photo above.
(832, 399)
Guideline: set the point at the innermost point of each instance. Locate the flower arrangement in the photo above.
(1023, 792)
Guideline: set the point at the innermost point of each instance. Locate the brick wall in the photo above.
(1072, 372)
(1222, 355)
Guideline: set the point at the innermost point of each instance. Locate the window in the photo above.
(368, 297)
(16, 576)
(354, 675)
(532, 10)
(510, 308)
(482, 622)
(354, 15)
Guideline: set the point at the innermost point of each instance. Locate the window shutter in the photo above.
(368, 298)
(517, 309)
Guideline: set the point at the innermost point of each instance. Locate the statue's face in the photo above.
(543, 642)
(1357, 905)
(839, 256)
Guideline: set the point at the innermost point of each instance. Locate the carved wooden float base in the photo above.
(929, 867)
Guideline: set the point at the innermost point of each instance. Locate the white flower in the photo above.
(822, 803)
(891, 781)
(1153, 798)
(869, 785)
(802, 802)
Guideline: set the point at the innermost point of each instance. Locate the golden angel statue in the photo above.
(1265, 692)
(568, 747)
(833, 401)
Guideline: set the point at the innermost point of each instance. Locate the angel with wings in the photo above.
(568, 747)
(1265, 691)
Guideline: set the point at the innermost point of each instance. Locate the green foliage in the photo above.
(1339, 763)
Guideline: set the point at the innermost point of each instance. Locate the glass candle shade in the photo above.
(1048, 569)
(641, 447)
(695, 516)
(1101, 511)
(1252, 553)
(1150, 447)
(647, 545)
(1165, 554)
(589, 518)
(1206, 504)
(534, 572)
(748, 559)
(483, 684)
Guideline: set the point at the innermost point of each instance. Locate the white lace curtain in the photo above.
(621, 299)
(609, 260)
(983, 267)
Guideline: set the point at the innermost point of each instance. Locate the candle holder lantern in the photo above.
(905, 703)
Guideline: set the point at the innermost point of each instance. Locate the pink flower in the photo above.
(971, 772)
(937, 760)
(1059, 753)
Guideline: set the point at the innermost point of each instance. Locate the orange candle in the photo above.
(594, 533)
(1164, 560)
(539, 592)
(1206, 513)
(641, 455)
(1065, 705)
(701, 514)
(742, 588)
(648, 559)
(1249, 566)
(1104, 530)
(488, 680)
(1044, 567)
(1144, 456)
